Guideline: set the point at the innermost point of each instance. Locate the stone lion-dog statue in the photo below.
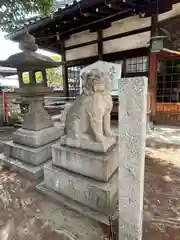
(87, 123)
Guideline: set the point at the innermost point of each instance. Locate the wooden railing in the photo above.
(168, 112)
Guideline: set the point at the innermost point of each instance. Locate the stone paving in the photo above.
(35, 217)
(164, 136)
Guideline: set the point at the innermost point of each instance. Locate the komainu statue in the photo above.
(87, 124)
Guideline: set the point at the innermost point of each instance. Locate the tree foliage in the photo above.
(14, 12)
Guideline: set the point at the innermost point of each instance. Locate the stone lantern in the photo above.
(31, 144)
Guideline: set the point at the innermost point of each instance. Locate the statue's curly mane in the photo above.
(89, 82)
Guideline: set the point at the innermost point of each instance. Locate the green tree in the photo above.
(54, 75)
(13, 12)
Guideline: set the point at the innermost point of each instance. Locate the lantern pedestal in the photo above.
(31, 144)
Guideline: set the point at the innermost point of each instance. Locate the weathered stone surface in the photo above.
(132, 135)
(37, 117)
(97, 195)
(111, 72)
(63, 115)
(74, 205)
(28, 170)
(97, 166)
(37, 138)
(84, 172)
(34, 156)
(88, 118)
(87, 144)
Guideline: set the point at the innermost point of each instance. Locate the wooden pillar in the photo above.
(32, 77)
(153, 82)
(44, 77)
(64, 69)
(100, 44)
(153, 68)
(20, 78)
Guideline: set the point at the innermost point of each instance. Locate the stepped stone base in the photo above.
(80, 161)
(100, 196)
(88, 144)
(71, 204)
(33, 156)
(28, 170)
(30, 159)
(37, 138)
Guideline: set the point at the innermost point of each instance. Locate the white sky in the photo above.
(8, 48)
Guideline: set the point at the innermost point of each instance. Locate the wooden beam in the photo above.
(64, 69)
(81, 45)
(20, 79)
(113, 17)
(116, 36)
(103, 25)
(44, 75)
(100, 44)
(152, 77)
(114, 6)
(105, 11)
(111, 57)
(126, 34)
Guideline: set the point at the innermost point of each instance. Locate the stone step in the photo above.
(100, 196)
(26, 170)
(75, 206)
(98, 166)
(36, 139)
(34, 156)
(17, 125)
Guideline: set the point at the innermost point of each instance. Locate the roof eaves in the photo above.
(71, 9)
(39, 23)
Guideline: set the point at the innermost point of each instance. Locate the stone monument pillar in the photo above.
(83, 173)
(132, 136)
(31, 144)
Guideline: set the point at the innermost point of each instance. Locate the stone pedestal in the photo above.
(84, 181)
(31, 144)
(84, 169)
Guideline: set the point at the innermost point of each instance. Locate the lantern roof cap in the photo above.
(29, 59)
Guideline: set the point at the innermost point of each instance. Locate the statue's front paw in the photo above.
(100, 138)
(109, 134)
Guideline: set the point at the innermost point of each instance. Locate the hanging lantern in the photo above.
(157, 43)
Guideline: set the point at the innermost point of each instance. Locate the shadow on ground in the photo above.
(162, 194)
